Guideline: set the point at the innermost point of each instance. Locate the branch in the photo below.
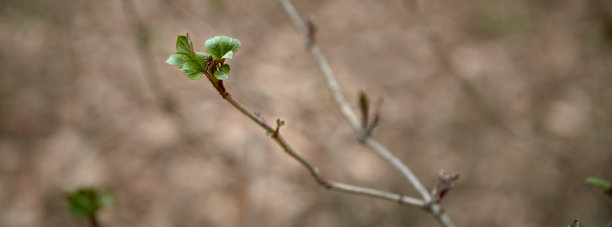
(353, 121)
(325, 183)
(349, 115)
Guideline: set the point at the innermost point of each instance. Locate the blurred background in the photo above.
(512, 95)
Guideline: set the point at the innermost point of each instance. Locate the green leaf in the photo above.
(201, 59)
(177, 59)
(202, 55)
(81, 205)
(183, 45)
(599, 182)
(223, 72)
(228, 55)
(220, 47)
(84, 203)
(192, 69)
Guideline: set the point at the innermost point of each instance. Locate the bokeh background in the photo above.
(512, 95)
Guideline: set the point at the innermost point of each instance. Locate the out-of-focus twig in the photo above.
(441, 53)
(163, 99)
(522, 140)
(353, 120)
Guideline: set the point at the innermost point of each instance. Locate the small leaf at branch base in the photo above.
(219, 47)
(223, 72)
(177, 59)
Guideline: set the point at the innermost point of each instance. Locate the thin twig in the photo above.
(352, 119)
(491, 115)
(441, 53)
(327, 184)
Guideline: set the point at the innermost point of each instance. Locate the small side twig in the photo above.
(367, 124)
(279, 123)
(375, 119)
(364, 106)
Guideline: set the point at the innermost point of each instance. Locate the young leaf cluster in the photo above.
(196, 64)
(84, 203)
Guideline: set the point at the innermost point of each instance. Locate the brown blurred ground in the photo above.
(77, 107)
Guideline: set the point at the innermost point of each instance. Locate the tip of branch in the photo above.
(445, 184)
